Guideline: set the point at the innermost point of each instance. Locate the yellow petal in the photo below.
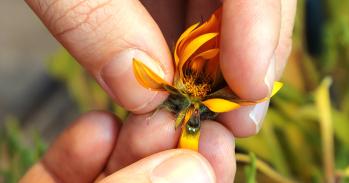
(212, 69)
(212, 25)
(276, 88)
(193, 46)
(183, 36)
(146, 77)
(189, 141)
(220, 105)
(197, 62)
(209, 54)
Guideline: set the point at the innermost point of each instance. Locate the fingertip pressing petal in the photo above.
(146, 77)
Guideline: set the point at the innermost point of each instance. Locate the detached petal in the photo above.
(189, 141)
(220, 105)
(146, 77)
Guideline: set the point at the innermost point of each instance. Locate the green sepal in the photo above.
(180, 117)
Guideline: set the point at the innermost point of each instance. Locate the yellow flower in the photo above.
(199, 91)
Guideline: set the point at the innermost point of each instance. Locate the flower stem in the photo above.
(264, 168)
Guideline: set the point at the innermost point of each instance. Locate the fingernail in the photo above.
(184, 168)
(270, 75)
(118, 76)
(257, 114)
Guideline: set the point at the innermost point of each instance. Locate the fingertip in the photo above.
(245, 121)
(217, 145)
(118, 79)
(69, 158)
(186, 167)
(99, 33)
(177, 165)
(143, 135)
(38, 173)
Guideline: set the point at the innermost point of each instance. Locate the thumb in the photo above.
(166, 167)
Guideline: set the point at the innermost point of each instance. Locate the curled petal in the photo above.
(220, 105)
(193, 46)
(146, 77)
(197, 64)
(198, 61)
(213, 70)
(184, 35)
(208, 54)
(212, 25)
(189, 141)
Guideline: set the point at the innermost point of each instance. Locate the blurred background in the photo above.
(305, 136)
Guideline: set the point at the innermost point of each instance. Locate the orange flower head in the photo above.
(199, 91)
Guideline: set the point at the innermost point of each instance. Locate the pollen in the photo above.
(197, 86)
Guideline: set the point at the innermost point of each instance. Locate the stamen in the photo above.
(197, 85)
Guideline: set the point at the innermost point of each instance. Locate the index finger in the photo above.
(104, 36)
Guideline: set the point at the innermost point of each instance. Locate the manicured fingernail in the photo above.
(257, 114)
(270, 75)
(184, 168)
(118, 76)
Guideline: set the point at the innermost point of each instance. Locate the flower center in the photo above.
(197, 85)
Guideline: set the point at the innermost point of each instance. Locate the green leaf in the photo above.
(251, 170)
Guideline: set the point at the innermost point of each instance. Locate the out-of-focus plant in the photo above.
(83, 88)
(16, 156)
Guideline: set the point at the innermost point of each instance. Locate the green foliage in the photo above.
(15, 154)
(83, 89)
(250, 171)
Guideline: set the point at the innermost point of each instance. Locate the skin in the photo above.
(98, 146)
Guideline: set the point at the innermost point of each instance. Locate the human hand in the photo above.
(104, 36)
(81, 153)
